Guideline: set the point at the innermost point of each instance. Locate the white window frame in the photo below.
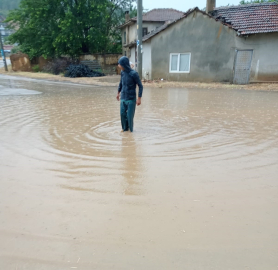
(177, 71)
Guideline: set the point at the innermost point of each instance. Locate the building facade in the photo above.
(152, 20)
(222, 46)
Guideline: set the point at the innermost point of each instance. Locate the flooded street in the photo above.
(194, 187)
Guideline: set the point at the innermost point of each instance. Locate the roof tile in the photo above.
(249, 19)
(162, 15)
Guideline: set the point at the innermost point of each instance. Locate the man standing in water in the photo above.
(127, 93)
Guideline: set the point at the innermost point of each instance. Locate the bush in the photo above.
(74, 71)
(59, 65)
(15, 49)
(36, 68)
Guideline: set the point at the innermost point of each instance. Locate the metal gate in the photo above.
(242, 67)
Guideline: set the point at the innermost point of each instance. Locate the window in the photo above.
(180, 62)
(124, 37)
(145, 31)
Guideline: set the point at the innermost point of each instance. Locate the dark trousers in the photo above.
(127, 114)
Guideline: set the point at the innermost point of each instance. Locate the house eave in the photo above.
(128, 23)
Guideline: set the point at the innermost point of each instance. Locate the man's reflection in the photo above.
(131, 165)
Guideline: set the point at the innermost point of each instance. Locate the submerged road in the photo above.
(194, 187)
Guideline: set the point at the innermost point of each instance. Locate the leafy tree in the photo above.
(244, 2)
(16, 49)
(133, 11)
(53, 28)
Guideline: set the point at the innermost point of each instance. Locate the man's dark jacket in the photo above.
(129, 79)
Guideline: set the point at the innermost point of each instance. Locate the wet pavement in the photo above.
(194, 187)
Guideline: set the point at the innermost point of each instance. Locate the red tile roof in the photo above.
(249, 19)
(161, 15)
(157, 15)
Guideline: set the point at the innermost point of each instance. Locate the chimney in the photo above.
(210, 5)
(127, 16)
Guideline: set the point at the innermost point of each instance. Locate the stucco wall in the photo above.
(131, 33)
(265, 57)
(210, 43)
(132, 57)
(103, 59)
(147, 60)
(212, 47)
(133, 29)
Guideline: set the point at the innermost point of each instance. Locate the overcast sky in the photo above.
(184, 5)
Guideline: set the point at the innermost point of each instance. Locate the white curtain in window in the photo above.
(184, 62)
(174, 63)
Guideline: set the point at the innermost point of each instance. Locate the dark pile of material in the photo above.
(74, 71)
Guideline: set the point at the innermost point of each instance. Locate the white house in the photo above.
(152, 21)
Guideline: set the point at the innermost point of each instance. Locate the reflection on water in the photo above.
(76, 132)
(198, 161)
(131, 165)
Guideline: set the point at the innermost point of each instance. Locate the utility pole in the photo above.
(2, 52)
(139, 37)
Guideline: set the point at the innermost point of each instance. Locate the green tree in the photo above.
(244, 2)
(53, 28)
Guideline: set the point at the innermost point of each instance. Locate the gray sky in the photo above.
(184, 5)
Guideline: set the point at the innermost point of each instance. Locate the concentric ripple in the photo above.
(70, 122)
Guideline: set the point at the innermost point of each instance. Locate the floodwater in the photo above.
(194, 187)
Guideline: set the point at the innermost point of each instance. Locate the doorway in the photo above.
(242, 68)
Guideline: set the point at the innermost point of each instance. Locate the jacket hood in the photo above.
(124, 62)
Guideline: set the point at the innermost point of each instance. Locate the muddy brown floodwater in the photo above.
(194, 187)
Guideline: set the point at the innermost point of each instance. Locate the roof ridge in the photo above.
(156, 11)
(247, 5)
(173, 9)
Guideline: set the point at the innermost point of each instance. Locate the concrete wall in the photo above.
(132, 55)
(108, 62)
(103, 59)
(132, 31)
(210, 43)
(265, 57)
(21, 62)
(212, 47)
(131, 34)
(147, 60)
